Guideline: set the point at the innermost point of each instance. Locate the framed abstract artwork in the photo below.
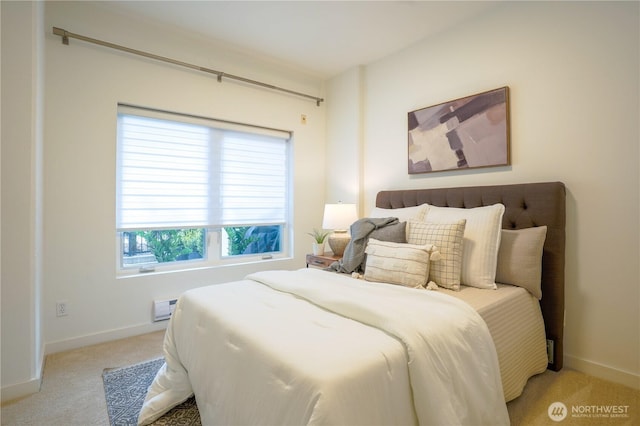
(465, 133)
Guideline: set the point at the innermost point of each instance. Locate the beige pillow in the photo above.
(397, 263)
(481, 240)
(448, 239)
(520, 258)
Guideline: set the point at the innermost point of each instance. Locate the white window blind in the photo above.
(173, 174)
(254, 181)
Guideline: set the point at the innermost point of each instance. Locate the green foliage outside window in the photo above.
(169, 245)
(253, 239)
(238, 241)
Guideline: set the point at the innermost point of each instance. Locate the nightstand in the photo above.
(323, 261)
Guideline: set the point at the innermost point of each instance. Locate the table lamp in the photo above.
(339, 217)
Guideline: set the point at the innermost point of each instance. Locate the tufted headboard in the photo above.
(526, 205)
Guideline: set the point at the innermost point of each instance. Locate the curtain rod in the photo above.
(66, 35)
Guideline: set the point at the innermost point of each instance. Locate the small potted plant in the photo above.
(319, 237)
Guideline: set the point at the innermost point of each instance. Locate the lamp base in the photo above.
(338, 242)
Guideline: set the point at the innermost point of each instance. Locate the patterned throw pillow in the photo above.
(448, 238)
(397, 263)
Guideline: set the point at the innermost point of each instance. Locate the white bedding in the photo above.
(271, 350)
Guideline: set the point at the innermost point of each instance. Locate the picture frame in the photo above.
(465, 133)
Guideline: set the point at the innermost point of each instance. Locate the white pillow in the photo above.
(403, 214)
(397, 263)
(481, 240)
(448, 239)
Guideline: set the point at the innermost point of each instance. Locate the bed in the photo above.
(316, 347)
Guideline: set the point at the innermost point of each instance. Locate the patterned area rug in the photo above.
(125, 389)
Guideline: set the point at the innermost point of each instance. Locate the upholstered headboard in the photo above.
(526, 205)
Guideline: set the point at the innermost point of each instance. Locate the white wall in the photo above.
(344, 159)
(572, 69)
(22, 70)
(83, 84)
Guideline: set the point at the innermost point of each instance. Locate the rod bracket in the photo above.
(62, 33)
(220, 75)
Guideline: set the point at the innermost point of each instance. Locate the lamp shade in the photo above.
(339, 216)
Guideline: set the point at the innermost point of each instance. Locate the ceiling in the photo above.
(321, 38)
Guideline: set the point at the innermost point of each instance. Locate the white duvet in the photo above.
(313, 347)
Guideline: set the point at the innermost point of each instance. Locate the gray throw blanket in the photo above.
(354, 252)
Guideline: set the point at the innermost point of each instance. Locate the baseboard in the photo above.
(20, 390)
(11, 392)
(102, 337)
(602, 371)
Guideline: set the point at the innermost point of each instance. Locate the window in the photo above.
(193, 190)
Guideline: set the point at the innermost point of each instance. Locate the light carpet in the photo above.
(576, 399)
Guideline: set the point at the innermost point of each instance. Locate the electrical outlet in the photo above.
(61, 309)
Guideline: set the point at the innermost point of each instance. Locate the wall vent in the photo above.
(162, 309)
